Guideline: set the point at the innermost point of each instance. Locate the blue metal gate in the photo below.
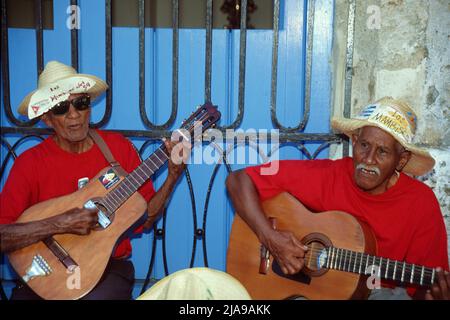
(260, 79)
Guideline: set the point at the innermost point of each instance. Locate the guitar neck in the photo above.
(133, 181)
(383, 268)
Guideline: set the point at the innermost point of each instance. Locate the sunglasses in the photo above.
(80, 103)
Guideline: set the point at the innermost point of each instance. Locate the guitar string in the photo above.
(110, 203)
(408, 267)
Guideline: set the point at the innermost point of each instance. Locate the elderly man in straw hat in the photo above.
(376, 186)
(62, 163)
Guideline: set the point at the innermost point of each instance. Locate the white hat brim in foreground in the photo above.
(197, 284)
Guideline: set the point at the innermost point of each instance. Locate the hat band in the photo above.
(50, 95)
(389, 119)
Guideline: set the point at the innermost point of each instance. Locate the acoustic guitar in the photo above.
(68, 266)
(339, 264)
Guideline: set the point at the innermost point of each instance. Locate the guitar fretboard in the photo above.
(133, 181)
(383, 268)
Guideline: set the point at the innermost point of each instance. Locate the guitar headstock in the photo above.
(201, 119)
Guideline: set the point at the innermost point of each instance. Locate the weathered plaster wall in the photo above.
(401, 49)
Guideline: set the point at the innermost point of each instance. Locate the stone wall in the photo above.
(401, 49)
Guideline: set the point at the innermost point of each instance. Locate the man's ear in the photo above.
(354, 139)
(404, 158)
(45, 117)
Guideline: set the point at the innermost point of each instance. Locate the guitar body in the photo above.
(317, 230)
(91, 252)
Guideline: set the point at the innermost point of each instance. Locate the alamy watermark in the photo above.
(373, 281)
(249, 147)
(74, 19)
(374, 19)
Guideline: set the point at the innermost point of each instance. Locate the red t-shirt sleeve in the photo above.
(304, 179)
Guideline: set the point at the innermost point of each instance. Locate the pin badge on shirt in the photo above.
(82, 182)
(109, 179)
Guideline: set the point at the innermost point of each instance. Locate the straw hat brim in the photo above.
(197, 284)
(94, 92)
(420, 162)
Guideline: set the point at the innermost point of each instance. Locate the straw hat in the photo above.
(56, 82)
(197, 284)
(398, 119)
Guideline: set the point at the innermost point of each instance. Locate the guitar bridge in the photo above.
(264, 263)
(39, 268)
(264, 260)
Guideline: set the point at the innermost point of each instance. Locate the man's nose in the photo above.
(73, 112)
(370, 156)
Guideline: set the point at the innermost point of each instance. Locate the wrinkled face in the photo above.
(376, 156)
(72, 126)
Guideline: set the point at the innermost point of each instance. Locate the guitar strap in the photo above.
(50, 242)
(98, 140)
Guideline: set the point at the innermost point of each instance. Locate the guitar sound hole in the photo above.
(105, 211)
(316, 256)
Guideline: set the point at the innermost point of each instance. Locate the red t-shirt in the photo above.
(46, 171)
(406, 219)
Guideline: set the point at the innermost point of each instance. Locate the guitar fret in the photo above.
(113, 205)
(421, 275)
(354, 262)
(164, 155)
(395, 270)
(403, 272)
(360, 262)
(148, 168)
(387, 268)
(126, 185)
(345, 257)
(119, 192)
(154, 164)
(337, 258)
(367, 263)
(113, 198)
(158, 158)
(412, 274)
(108, 205)
(132, 177)
(124, 194)
(144, 177)
(332, 258)
(137, 176)
(328, 257)
(379, 268)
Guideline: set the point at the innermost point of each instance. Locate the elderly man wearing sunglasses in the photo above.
(62, 164)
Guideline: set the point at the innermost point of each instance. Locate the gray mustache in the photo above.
(363, 166)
